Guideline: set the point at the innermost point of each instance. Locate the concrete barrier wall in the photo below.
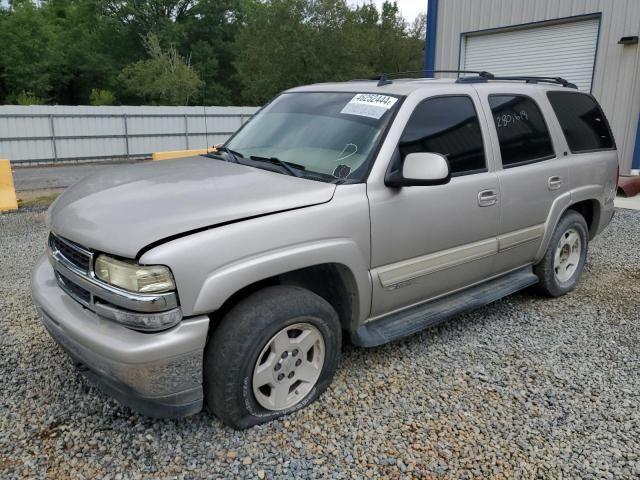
(57, 133)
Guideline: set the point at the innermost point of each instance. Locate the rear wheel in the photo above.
(275, 352)
(562, 265)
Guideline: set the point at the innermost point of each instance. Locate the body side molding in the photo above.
(413, 268)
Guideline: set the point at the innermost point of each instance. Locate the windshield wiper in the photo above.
(288, 166)
(232, 155)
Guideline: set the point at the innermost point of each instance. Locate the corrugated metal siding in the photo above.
(617, 70)
(534, 51)
(45, 133)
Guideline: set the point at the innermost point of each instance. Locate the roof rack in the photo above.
(479, 76)
(385, 78)
(525, 78)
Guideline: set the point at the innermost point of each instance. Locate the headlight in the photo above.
(133, 277)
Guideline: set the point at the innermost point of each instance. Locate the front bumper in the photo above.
(156, 374)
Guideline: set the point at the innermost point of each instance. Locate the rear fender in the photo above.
(561, 204)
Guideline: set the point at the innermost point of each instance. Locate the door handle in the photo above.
(486, 198)
(554, 183)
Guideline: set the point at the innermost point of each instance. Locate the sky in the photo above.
(409, 8)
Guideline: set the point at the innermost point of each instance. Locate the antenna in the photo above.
(204, 111)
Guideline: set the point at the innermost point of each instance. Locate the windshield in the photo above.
(332, 135)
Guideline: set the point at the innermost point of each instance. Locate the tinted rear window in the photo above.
(583, 123)
(522, 132)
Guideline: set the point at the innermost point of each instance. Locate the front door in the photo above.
(430, 240)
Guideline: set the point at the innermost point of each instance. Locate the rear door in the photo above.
(531, 175)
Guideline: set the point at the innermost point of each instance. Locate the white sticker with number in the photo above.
(370, 105)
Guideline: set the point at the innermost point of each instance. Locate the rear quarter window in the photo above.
(582, 121)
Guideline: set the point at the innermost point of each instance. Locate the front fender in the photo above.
(223, 282)
(211, 265)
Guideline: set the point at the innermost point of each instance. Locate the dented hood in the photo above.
(123, 210)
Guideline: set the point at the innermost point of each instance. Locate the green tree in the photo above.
(221, 51)
(95, 48)
(100, 97)
(165, 78)
(284, 43)
(30, 60)
(28, 98)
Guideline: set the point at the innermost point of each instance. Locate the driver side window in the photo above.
(447, 125)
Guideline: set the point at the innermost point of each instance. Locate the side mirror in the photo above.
(421, 169)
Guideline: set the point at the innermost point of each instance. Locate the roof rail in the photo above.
(525, 78)
(385, 78)
(479, 76)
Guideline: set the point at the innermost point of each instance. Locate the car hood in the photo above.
(123, 210)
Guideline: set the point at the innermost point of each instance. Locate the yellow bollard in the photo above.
(8, 199)
(180, 154)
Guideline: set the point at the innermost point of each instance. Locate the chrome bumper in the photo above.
(157, 374)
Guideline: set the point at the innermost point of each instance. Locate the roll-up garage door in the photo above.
(565, 50)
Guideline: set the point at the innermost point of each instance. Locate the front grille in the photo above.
(75, 254)
(74, 291)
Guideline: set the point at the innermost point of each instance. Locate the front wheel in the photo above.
(275, 352)
(561, 267)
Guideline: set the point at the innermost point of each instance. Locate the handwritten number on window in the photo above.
(508, 119)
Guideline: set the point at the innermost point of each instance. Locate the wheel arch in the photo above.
(334, 282)
(590, 210)
(586, 205)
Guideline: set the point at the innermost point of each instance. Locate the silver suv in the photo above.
(367, 209)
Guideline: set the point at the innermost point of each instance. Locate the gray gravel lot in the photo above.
(527, 387)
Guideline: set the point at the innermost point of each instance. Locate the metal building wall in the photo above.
(52, 133)
(616, 82)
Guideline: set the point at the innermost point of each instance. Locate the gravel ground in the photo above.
(527, 387)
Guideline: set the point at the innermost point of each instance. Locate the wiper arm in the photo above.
(288, 166)
(231, 154)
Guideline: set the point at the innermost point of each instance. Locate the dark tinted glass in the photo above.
(522, 133)
(583, 123)
(449, 126)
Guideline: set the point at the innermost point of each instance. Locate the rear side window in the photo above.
(449, 126)
(522, 132)
(583, 123)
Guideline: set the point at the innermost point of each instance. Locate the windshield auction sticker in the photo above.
(369, 105)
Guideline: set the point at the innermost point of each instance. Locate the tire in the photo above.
(561, 267)
(246, 346)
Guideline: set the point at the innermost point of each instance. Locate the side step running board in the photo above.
(412, 320)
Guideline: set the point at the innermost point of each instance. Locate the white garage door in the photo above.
(561, 50)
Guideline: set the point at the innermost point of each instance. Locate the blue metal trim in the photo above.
(549, 21)
(430, 46)
(635, 161)
(460, 37)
